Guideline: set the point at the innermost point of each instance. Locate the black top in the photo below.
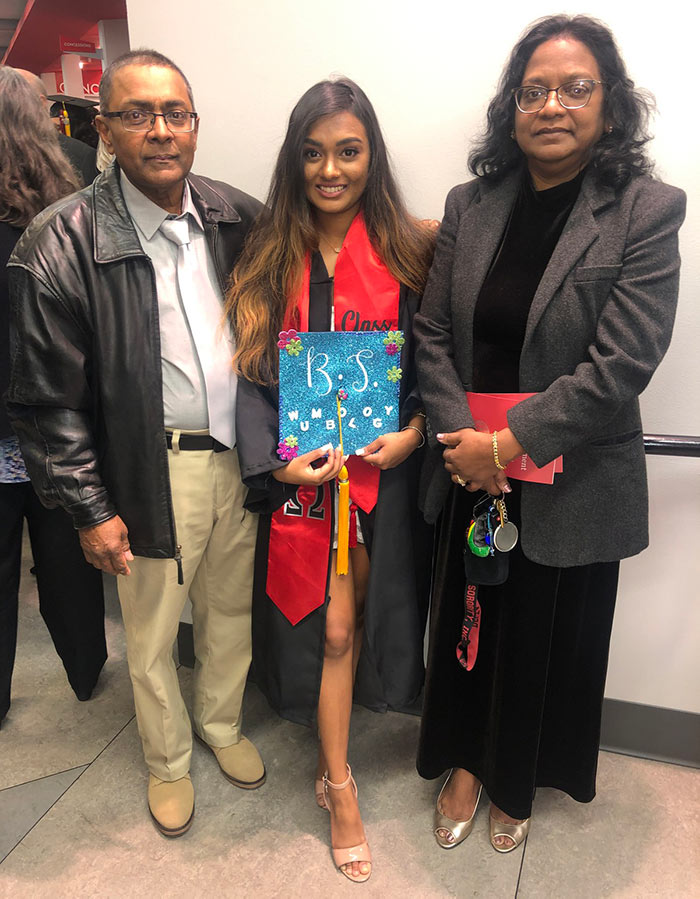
(320, 295)
(500, 317)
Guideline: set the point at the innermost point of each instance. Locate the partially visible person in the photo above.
(556, 273)
(80, 155)
(82, 120)
(123, 396)
(33, 174)
(104, 157)
(335, 249)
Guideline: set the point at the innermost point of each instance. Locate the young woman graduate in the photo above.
(335, 250)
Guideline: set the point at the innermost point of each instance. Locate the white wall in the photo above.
(430, 68)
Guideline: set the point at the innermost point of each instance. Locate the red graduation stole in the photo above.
(365, 298)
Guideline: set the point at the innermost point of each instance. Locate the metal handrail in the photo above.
(670, 445)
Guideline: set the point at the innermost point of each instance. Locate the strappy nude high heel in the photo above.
(459, 830)
(515, 832)
(320, 793)
(359, 853)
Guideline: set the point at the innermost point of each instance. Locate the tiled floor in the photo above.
(73, 818)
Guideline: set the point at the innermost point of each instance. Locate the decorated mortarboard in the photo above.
(337, 380)
(338, 387)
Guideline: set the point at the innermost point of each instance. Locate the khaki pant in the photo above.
(217, 536)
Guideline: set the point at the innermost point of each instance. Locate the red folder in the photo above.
(490, 413)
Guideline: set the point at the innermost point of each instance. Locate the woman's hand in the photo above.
(301, 470)
(430, 224)
(391, 449)
(469, 458)
(496, 486)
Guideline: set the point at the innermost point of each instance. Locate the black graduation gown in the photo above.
(287, 659)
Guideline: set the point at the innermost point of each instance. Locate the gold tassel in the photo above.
(342, 553)
(341, 562)
(65, 121)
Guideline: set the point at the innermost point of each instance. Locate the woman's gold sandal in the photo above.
(458, 830)
(515, 832)
(359, 853)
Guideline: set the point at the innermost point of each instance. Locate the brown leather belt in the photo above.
(196, 442)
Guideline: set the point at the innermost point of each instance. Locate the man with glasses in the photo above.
(124, 399)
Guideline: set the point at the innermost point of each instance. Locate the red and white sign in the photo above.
(69, 45)
(91, 79)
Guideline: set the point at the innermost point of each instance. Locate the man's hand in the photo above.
(106, 546)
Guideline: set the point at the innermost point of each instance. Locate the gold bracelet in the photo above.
(418, 431)
(494, 444)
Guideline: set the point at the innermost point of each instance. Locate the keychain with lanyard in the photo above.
(489, 533)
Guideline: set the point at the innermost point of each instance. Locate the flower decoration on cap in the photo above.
(394, 373)
(393, 342)
(288, 448)
(289, 341)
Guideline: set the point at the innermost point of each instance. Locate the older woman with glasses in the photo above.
(556, 275)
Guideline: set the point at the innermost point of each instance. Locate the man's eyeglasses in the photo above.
(572, 95)
(177, 120)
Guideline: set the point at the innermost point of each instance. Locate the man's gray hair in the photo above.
(140, 57)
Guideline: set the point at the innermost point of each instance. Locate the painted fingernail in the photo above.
(439, 436)
(507, 488)
(360, 451)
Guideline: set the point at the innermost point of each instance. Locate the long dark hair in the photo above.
(33, 169)
(270, 268)
(619, 154)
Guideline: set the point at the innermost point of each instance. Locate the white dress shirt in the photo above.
(184, 386)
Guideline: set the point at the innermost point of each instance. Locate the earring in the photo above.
(609, 129)
(512, 134)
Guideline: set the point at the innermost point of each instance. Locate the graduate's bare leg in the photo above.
(334, 707)
(360, 575)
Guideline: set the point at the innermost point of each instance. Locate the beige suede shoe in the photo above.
(241, 764)
(171, 804)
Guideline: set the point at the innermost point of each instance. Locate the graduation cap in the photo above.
(63, 99)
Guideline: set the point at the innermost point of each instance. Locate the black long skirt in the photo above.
(528, 714)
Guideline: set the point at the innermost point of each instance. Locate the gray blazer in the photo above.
(599, 324)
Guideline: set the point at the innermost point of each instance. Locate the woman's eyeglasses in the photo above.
(572, 95)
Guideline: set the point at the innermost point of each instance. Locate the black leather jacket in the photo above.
(85, 394)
